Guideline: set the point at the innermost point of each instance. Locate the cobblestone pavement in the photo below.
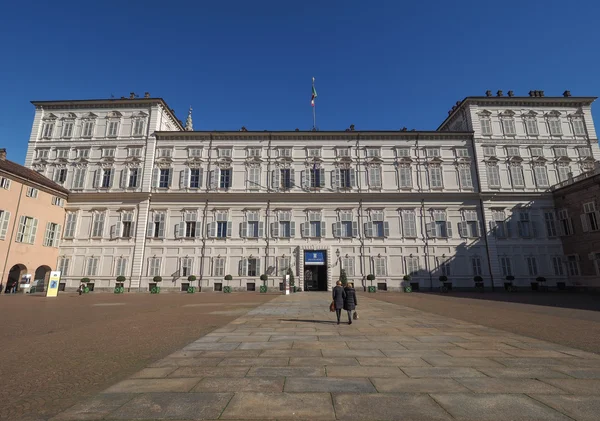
(287, 359)
(56, 352)
(567, 319)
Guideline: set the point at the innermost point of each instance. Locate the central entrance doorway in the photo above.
(315, 270)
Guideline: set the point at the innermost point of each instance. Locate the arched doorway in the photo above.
(42, 274)
(14, 276)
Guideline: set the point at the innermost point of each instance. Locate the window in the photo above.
(584, 152)
(590, 217)
(91, 268)
(221, 227)
(493, 174)
(195, 152)
(444, 266)
(541, 176)
(164, 179)
(88, 129)
(70, 225)
(373, 152)
(42, 153)
(345, 178)
(412, 265)
(532, 267)
(348, 265)
(536, 151)
(121, 266)
(343, 152)
(138, 126)
(435, 177)
(219, 267)
(251, 267)
(557, 265)
(154, 264)
(283, 264)
(225, 178)
(554, 125)
(550, 221)
(134, 177)
(108, 153)
(516, 175)
(60, 175)
(476, 265)
(462, 153)
(63, 266)
(409, 224)
(469, 227)
(314, 228)
(525, 226)
(48, 129)
(79, 178)
(285, 227)
(499, 225)
(156, 227)
(83, 153)
(345, 227)
(165, 153)
(252, 227)
(283, 178)
(112, 129)
(315, 178)
(32, 192)
(405, 175)
(433, 152)
(513, 151)
(254, 178)
(375, 177)
(578, 127)
(186, 266)
(403, 152)
(489, 151)
(195, 178)
(135, 152)
(224, 152)
(531, 126)
(98, 224)
(313, 152)
(565, 223)
(125, 228)
(67, 131)
(254, 152)
(464, 175)
(62, 153)
(4, 220)
(379, 266)
(564, 171)
(506, 266)
(508, 125)
(285, 152)
(57, 201)
(573, 265)
(560, 152)
(439, 227)
(4, 183)
(189, 227)
(27, 230)
(52, 235)
(486, 126)
(377, 227)
(107, 177)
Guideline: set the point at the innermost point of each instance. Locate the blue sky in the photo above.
(378, 64)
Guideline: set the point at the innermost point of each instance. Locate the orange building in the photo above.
(31, 218)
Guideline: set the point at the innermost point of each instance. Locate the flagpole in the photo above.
(314, 108)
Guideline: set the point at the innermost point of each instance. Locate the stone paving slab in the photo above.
(288, 359)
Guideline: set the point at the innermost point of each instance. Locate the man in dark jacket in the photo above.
(339, 295)
(350, 301)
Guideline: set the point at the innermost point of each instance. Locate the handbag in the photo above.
(355, 315)
(332, 306)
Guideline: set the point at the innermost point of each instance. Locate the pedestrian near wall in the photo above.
(339, 295)
(350, 302)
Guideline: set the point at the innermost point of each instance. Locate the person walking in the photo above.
(339, 295)
(350, 302)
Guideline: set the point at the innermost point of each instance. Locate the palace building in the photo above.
(152, 197)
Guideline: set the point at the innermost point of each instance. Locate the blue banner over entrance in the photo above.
(314, 257)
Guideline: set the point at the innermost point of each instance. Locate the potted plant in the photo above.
(508, 285)
(156, 289)
(541, 280)
(407, 285)
(263, 288)
(343, 277)
(478, 282)
(85, 288)
(446, 285)
(371, 277)
(227, 288)
(119, 289)
(191, 288)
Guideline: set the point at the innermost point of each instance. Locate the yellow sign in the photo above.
(53, 282)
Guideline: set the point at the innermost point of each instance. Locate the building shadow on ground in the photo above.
(309, 321)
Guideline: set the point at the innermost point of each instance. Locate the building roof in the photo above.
(518, 100)
(12, 168)
(110, 101)
(307, 134)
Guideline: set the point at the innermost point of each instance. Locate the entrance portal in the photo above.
(14, 276)
(315, 270)
(42, 274)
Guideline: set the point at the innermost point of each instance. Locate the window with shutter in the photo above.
(555, 126)
(578, 127)
(219, 267)
(409, 224)
(4, 221)
(254, 178)
(541, 176)
(63, 266)
(516, 174)
(98, 224)
(486, 126)
(493, 175)
(508, 125)
(412, 265)
(466, 181)
(405, 172)
(531, 126)
(435, 177)
(348, 265)
(476, 265)
(557, 265)
(88, 128)
(573, 265)
(121, 266)
(375, 177)
(225, 178)
(92, 266)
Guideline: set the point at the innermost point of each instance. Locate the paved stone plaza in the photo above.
(287, 359)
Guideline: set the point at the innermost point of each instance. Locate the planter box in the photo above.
(227, 290)
(263, 289)
(448, 285)
(508, 286)
(478, 284)
(372, 289)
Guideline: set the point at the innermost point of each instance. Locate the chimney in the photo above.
(146, 94)
(488, 93)
(540, 93)
(499, 93)
(131, 95)
(352, 127)
(567, 94)
(531, 93)
(511, 94)
(3, 154)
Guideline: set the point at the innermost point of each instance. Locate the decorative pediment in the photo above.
(563, 159)
(140, 114)
(492, 160)
(89, 116)
(253, 159)
(515, 160)
(39, 167)
(374, 160)
(507, 113)
(530, 114)
(62, 160)
(69, 116)
(79, 163)
(463, 160)
(109, 159)
(224, 163)
(314, 160)
(50, 116)
(106, 164)
(41, 159)
(484, 113)
(133, 159)
(539, 160)
(435, 161)
(284, 163)
(404, 160)
(251, 163)
(195, 160)
(577, 114)
(114, 114)
(344, 159)
(553, 113)
(343, 164)
(587, 159)
(164, 160)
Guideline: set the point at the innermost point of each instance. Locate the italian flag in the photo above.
(314, 95)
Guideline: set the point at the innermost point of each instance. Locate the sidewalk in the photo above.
(287, 359)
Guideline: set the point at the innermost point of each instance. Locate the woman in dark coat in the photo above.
(339, 297)
(350, 302)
